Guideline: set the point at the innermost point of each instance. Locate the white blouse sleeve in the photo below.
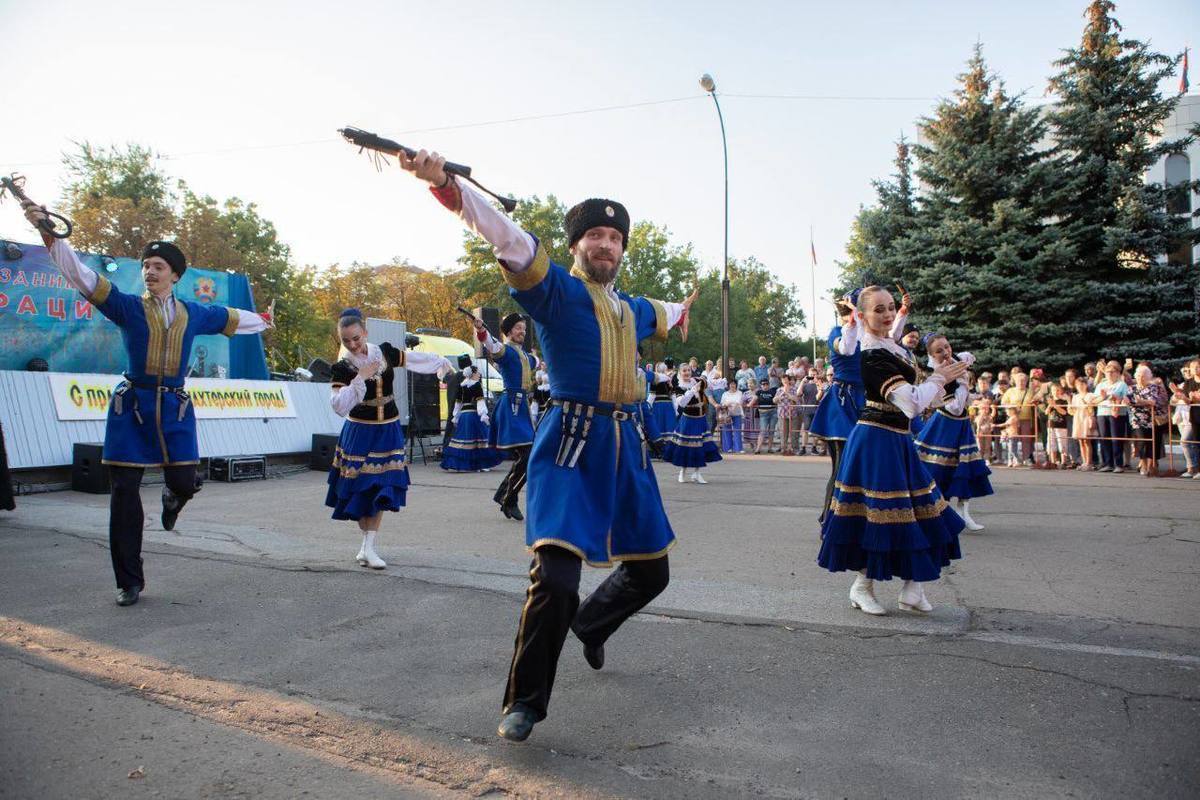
(897, 332)
(481, 408)
(426, 363)
(958, 403)
(347, 397)
(848, 341)
(685, 398)
(912, 400)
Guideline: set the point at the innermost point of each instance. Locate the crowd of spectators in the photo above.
(1102, 418)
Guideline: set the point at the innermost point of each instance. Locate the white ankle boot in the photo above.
(964, 512)
(697, 477)
(681, 478)
(912, 598)
(862, 596)
(367, 557)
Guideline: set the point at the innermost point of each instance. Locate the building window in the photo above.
(1179, 192)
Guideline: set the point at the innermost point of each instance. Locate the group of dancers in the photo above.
(592, 492)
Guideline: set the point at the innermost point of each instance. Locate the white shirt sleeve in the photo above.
(848, 341)
(898, 326)
(347, 397)
(426, 363)
(513, 246)
(674, 313)
(491, 343)
(912, 400)
(81, 276)
(249, 322)
(458, 407)
(481, 407)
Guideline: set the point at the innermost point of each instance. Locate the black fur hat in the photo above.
(506, 324)
(168, 252)
(597, 213)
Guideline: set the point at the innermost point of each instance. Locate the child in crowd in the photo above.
(985, 421)
(1083, 423)
(1056, 411)
(1009, 437)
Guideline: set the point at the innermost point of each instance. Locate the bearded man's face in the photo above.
(598, 253)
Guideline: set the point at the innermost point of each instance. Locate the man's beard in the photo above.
(598, 273)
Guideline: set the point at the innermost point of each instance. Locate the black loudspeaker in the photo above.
(426, 401)
(491, 320)
(530, 334)
(320, 369)
(237, 468)
(323, 445)
(87, 473)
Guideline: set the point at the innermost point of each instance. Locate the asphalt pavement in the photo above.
(1060, 661)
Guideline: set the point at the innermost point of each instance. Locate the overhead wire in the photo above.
(524, 118)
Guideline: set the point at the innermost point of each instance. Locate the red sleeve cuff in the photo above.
(448, 195)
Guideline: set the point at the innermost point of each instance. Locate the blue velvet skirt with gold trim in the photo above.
(649, 423)
(692, 445)
(469, 450)
(838, 410)
(948, 448)
(665, 417)
(887, 515)
(604, 508)
(369, 473)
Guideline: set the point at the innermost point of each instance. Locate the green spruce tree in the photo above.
(981, 259)
(1128, 300)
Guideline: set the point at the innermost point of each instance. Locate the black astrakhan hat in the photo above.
(169, 253)
(596, 213)
(506, 324)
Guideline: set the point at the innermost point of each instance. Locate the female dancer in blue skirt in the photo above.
(887, 517)
(369, 474)
(663, 407)
(692, 445)
(838, 410)
(650, 427)
(947, 444)
(468, 450)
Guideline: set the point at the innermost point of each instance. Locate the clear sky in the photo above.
(202, 82)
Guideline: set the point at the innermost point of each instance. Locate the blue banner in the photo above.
(42, 316)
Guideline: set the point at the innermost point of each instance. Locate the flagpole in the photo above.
(812, 248)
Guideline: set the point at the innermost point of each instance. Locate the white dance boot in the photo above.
(912, 598)
(697, 477)
(681, 471)
(964, 512)
(367, 557)
(862, 596)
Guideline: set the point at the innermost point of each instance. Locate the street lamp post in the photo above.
(709, 85)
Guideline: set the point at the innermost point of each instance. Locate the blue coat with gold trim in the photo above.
(592, 489)
(513, 425)
(151, 422)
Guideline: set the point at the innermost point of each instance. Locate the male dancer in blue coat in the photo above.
(592, 491)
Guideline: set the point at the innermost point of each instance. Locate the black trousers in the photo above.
(514, 481)
(835, 447)
(552, 608)
(125, 517)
